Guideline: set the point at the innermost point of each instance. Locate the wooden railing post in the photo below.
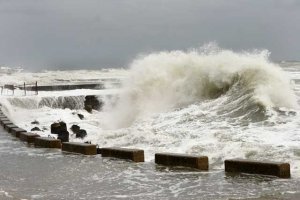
(36, 88)
(24, 88)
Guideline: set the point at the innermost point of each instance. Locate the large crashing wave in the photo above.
(163, 81)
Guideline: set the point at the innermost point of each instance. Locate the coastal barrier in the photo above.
(136, 155)
(172, 159)
(9, 89)
(68, 87)
(82, 148)
(281, 170)
(47, 142)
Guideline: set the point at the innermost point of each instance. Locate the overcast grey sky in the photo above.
(110, 33)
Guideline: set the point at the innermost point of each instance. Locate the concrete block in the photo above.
(16, 131)
(136, 155)
(76, 147)
(28, 137)
(5, 122)
(172, 159)
(281, 170)
(47, 142)
(8, 127)
(3, 118)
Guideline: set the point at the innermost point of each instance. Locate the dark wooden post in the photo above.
(36, 88)
(24, 88)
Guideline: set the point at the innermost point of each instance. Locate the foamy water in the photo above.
(216, 103)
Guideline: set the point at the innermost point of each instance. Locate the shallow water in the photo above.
(35, 173)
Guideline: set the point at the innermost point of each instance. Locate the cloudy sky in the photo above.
(76, 34)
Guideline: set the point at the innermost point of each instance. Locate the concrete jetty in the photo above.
(28, 137)
(279, 169)
(136, 155)
(47, 142)
(16, 131)
(172, 159)
(82, 148)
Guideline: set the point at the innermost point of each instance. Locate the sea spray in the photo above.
(164, 81)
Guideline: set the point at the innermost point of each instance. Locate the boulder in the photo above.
(92, 103)
(56, 128)
(63, 136)
(35, 122)
(75, 128)
(81, 116)
(36, 129)
(81, 134)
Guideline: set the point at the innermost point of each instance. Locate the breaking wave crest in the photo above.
(235, 84)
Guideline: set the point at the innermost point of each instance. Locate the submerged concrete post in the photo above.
(47, 142)
(76, 147)
(279, 169)
(172, 159)
(136, 155)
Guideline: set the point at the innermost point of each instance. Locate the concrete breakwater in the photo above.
(94, 86)
(279, 169)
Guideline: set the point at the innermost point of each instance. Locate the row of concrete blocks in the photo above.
(278, 169)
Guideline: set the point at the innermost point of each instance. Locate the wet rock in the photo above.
(92, 103)
(56, 128)
(35, 122)
(63, 136)
(36, 129)
(75, 128)
(88, 108)
(81, 134)
(80, 116)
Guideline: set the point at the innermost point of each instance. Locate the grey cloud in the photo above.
(110, 33)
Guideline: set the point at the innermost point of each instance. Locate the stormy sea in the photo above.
(212, 102)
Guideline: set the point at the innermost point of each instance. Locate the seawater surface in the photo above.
(36, 173)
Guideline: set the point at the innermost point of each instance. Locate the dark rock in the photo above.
(63, 136)
(56, 128)
(81, 134)
(75, 128)
(92, 103)
(36, 129)
(80, 116)
(88, 142)
(88, 108)
(35, 122)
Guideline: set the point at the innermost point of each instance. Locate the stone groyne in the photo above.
(278, 169)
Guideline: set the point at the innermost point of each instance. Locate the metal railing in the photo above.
(25, 87)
